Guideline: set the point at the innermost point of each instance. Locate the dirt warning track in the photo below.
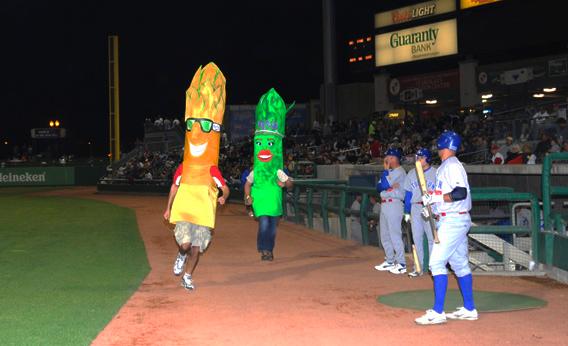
(319, 290)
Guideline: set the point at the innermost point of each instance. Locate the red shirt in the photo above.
(215, 174)
(177, 175)
(375, 148)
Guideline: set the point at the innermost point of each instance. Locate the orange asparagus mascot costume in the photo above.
(196, 198)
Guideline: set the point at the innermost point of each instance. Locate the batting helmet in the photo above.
(449, 140)
(425, 153)
(394, 152)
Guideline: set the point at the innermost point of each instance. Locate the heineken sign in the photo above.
(414, 12)
(37, 176)
(417, 43)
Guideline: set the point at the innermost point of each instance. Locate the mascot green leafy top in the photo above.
(268, 157)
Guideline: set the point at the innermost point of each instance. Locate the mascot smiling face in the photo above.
(204, 109)
(268, 157)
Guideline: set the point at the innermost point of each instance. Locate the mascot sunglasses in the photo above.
(206, 125)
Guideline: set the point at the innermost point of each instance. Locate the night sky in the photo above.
(54, 60)
(54, 55)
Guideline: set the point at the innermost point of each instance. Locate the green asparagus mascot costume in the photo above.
(267, 177)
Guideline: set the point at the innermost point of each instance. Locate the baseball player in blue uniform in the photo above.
(413, 205)
(390, 187)
(451, 203)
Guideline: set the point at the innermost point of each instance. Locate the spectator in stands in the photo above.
(372, 129)
(316, 126)
(505, 148)
(514, 157)
(525, 132)
(565, 146)
(562, 130)
(472, 117)
(554, 145)
(497, 157)
(326, 129)
(366, 148)
(529, 157)
(167, 124)
(543, 146)
(175, 123)
(375, 148)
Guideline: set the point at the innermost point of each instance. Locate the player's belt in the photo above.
(388, 200)
(454, 212)
(418, 203)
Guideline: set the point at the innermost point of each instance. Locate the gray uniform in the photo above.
(356, 233)
(392, 210)
(420, 225)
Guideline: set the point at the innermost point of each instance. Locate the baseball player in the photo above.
(413, 204)
(390, 187)
(451, 201)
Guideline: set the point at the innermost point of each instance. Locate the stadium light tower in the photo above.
(114, 114)
(329, 60)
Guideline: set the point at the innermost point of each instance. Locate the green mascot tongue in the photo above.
(268, 158)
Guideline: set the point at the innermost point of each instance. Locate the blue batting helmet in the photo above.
(425, 153)
(394, 152)
(449, 140)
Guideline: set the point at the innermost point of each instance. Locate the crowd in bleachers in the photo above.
(160, 123)
(364, 141)
(146, 166)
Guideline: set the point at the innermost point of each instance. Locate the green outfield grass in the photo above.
(66, 267)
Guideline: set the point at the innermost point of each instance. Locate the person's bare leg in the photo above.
(184, 248)
(193, 259)
(193, 253)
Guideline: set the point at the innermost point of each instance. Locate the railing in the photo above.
(336, 189)
(475, 157)
(555, 241)
(549, 191)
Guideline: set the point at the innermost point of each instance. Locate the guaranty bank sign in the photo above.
(421, 42)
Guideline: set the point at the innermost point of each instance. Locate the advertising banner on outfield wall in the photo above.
(37, 176)
(417, 43)
(474, 3)
(414, 12)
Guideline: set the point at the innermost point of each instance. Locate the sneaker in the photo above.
(384, 266)
(431, 317)
(264, 255)
(187, 282)
(269, 256)
(398, 269)
(462, 313)
(179, 264)
(415, 274)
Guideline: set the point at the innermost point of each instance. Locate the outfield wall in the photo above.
(50, 175)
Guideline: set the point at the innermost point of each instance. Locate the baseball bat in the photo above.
(417, 264)
(424, 188)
